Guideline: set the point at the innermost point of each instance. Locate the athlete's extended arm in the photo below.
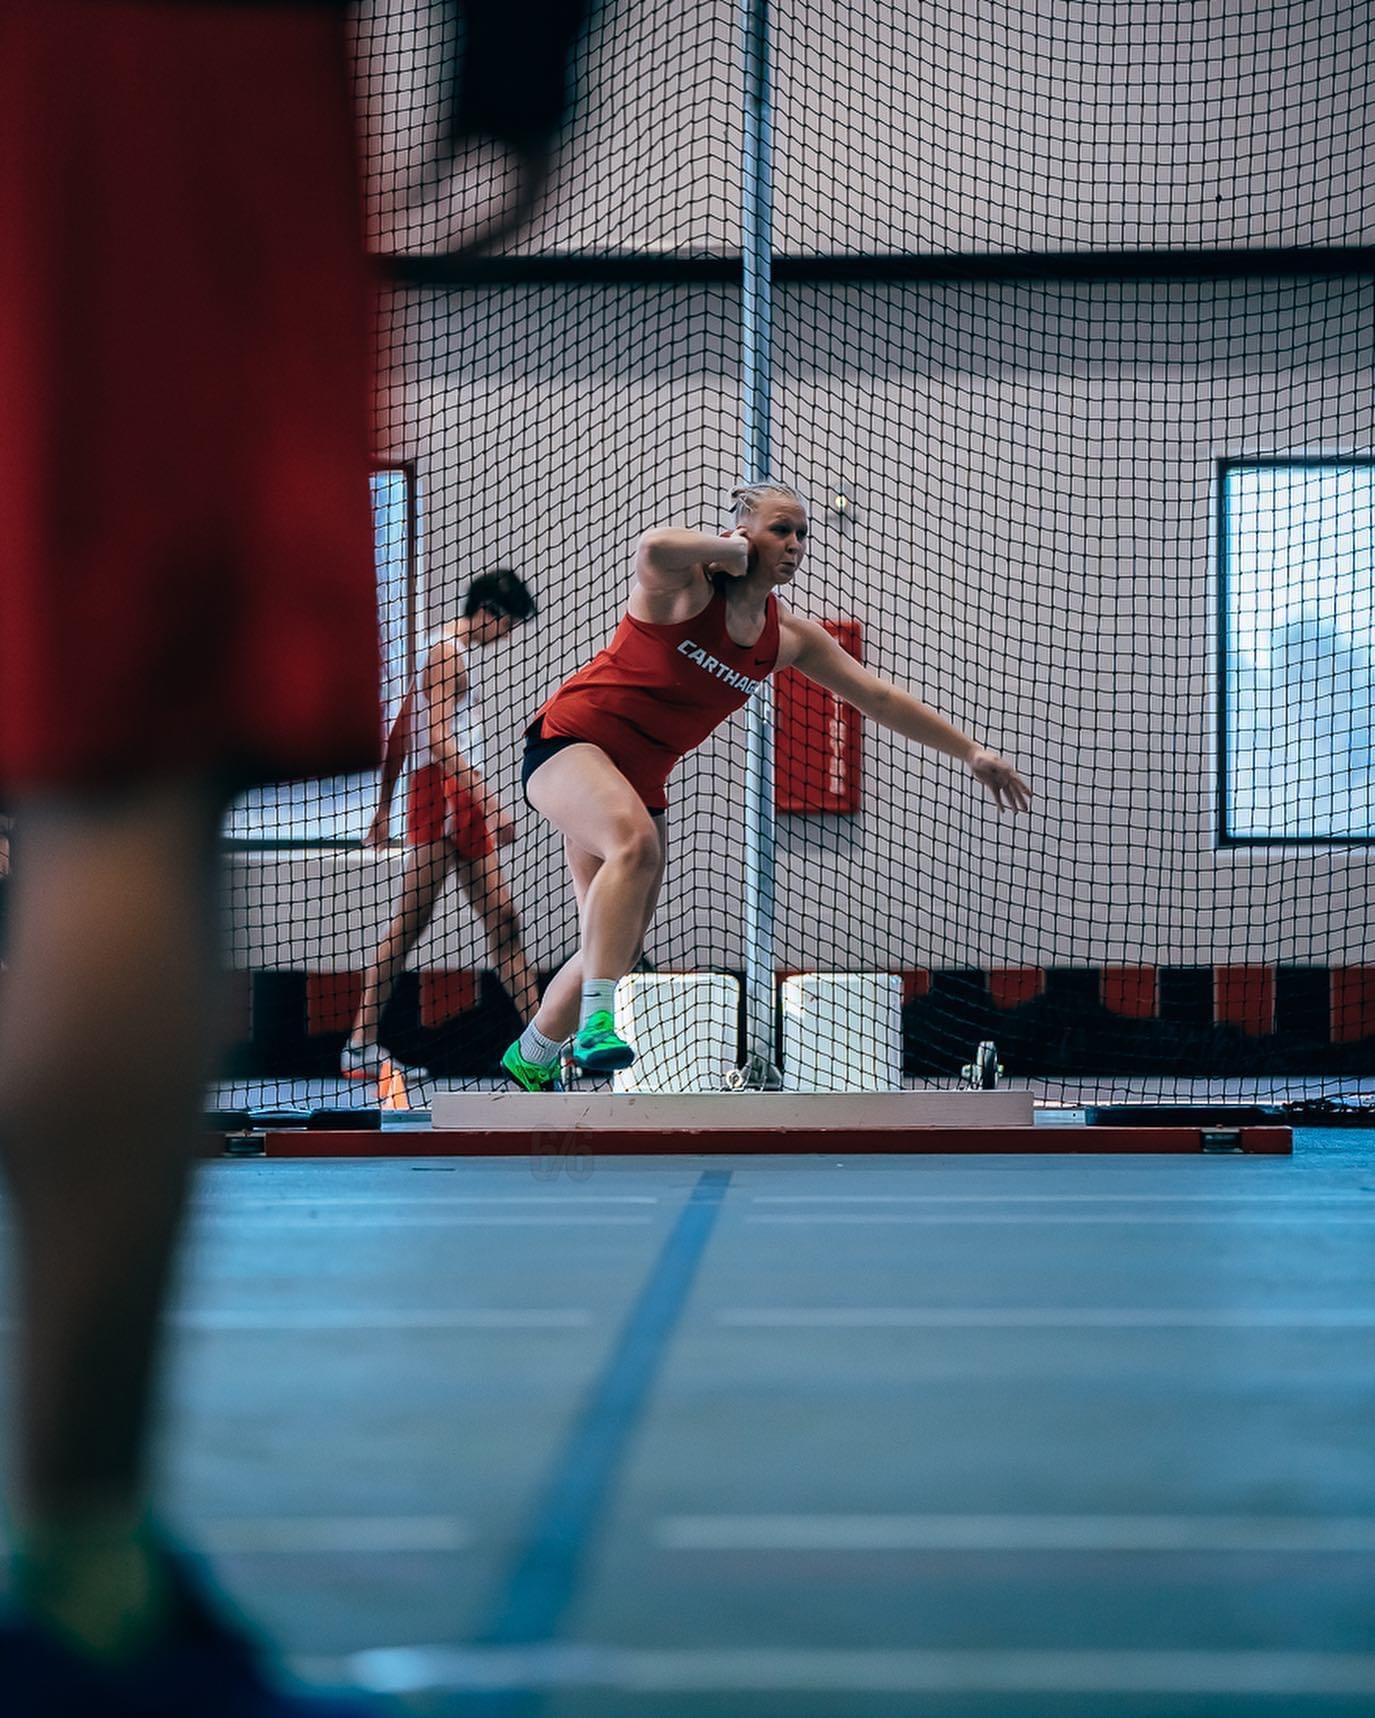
(446, 685)
(811, 649)
(669, 560)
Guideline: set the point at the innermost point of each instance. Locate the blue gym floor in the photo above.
(826, 1437)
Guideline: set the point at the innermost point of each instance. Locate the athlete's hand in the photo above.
(1007, 789)
(735, 555)
(501, 826)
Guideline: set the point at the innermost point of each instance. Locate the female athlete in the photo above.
(703, 630)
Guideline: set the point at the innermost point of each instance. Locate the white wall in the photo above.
(970, 125)
(988, 125)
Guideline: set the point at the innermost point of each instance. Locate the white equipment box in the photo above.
(842, 1032)
(685, 1029)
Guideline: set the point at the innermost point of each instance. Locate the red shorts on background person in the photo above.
(438, 809)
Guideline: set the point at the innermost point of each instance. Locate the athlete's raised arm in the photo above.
(809, 648)
(668, 559)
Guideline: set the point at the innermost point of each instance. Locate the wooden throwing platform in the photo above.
(518, 1124)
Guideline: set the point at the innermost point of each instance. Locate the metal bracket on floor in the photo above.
(756, 1074)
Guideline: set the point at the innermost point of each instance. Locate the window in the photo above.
(338, 809)
(1297, 637)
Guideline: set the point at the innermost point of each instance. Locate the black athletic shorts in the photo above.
(540, 746)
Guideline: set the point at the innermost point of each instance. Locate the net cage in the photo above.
(1060, 315)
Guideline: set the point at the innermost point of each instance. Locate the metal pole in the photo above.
(756, 326)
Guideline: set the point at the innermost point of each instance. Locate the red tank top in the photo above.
(656, 692)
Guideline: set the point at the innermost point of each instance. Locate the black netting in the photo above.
(1084, 474)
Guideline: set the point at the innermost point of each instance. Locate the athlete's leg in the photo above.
(106, 1040)
(489, 895)
(582, 793)
(422, 878)
(558, 1013)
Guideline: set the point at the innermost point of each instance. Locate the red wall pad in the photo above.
(446, 995)
(1353, 1004)
(819, 760)
(1131, 991)
(332, 1000)
(1245, 996)
(1011, 986)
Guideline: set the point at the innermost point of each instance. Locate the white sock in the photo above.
(536, 1048)
(598, 996)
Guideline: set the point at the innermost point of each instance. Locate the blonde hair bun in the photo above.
(746, 498)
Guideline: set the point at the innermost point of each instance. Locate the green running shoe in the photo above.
(596, 1047)
(531, 1076)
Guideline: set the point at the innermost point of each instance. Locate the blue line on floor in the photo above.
(543, 1577)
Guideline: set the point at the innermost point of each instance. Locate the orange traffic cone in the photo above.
(391, 1088)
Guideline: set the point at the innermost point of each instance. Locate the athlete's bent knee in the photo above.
(638, 845)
